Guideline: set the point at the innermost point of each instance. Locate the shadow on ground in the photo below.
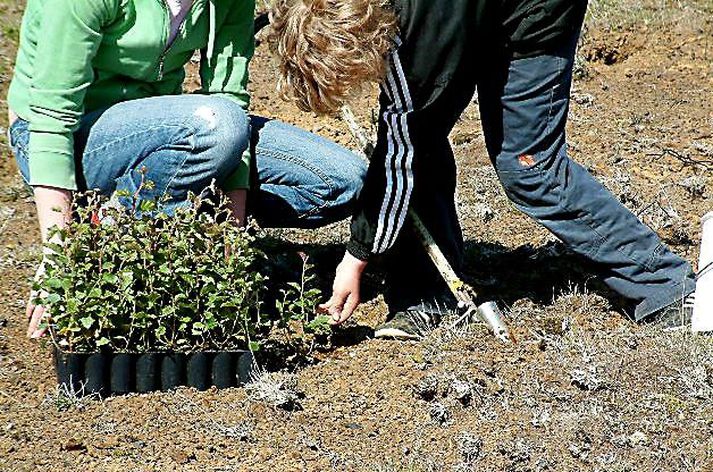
(496, 272)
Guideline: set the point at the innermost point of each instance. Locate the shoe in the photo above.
(416, 322)
(406, 326)
(675, 316)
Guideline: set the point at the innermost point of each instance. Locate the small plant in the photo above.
(297, 317)
(427, 388)
(587, 378)
(462, 391)
(131, 278)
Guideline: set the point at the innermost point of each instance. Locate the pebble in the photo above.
(638, 439)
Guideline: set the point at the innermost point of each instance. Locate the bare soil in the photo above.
(584, 388)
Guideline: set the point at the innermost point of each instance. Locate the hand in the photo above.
(53, 210)
(35, 313)
(345, 292)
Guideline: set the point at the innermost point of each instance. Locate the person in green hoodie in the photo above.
(95, 103)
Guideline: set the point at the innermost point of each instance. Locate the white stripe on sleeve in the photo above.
(399, 158)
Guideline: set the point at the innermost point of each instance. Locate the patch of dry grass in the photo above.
(616, 14)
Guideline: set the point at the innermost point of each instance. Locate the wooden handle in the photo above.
(455, 284)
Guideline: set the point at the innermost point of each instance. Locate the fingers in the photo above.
(333, 307)
(325, 308)
(340, 307)
(336, 309)
(34, 314)
(345, 293)
(349, 307)
(35, 320)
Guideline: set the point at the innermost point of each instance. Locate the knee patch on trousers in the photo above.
(534, 184)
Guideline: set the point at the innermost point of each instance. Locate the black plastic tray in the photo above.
(121, 373)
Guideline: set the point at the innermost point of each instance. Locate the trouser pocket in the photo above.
(537, 26)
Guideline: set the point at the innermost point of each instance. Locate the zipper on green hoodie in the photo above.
(167, 47)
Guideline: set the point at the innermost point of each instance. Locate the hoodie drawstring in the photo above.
(211, 31)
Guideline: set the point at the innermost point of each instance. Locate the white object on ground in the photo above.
(703, 309)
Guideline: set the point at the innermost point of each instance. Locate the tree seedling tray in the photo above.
(109, 373)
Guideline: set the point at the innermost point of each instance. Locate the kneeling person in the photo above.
(95, 103)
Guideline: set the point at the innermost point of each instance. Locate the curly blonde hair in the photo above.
(328, 49)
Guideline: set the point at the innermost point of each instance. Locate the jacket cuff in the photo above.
(52, 161)
(359, 250)
(240, 179)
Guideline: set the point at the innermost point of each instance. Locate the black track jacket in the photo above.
(439, 41)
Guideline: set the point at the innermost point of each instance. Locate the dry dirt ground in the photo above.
(583, 389)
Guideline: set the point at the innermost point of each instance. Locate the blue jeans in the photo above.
(301, 180)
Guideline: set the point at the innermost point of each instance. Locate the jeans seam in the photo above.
(133, 135)
(178, 169)
(316, 209)
(534, 169)
(301, 163)
(595, 249)
(313, 211)
(18, 147)
(123, 138)
(550, 108)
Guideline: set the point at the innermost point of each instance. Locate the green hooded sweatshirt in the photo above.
(77, 56)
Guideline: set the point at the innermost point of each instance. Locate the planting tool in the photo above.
(489, 312)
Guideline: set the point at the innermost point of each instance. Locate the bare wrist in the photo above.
(54, 208)
(354, 262)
